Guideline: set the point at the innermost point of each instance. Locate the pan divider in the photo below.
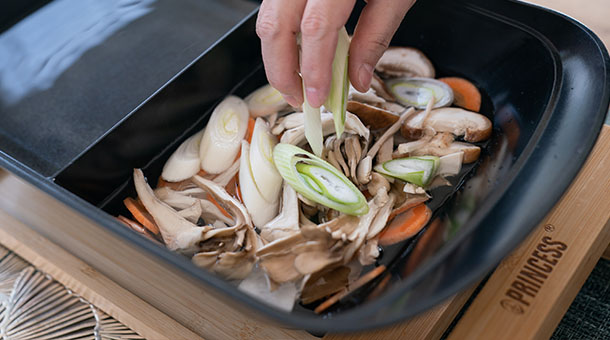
(524, 298)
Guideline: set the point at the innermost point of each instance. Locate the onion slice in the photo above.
(184, 163)
(318, 181)
(261, 211)
(265, 101)
(268, 181)
(417, 92)
(415, 170)
(222, 137)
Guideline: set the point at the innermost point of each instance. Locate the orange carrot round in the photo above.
(405, 225)
(141, 215)
(250, 130)
(465, 94)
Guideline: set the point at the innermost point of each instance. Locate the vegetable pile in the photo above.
(295, 204)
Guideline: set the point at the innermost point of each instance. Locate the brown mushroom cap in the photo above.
(375, 117)
(473, 126)
(405, 62)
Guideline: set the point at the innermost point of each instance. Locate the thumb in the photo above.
(376, 26)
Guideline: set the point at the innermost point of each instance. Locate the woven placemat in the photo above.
(33, 306)
(589, 314)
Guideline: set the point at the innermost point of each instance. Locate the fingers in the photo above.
(277, 26)
(320, 25)
(376, 26)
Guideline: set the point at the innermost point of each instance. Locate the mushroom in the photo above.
(385, 151)
(339, 156)
(380, 89)
(368, 253)
(375, 117)
(390, 131)
(324, 283)
(378, 182)
(405, 62)
(182, 200)
(369, 97)
(287, 221)
(363, 173)
(353, 152)
(381, 219)
(473, 126)
(413, 189)
(191, 213)
(178, 233)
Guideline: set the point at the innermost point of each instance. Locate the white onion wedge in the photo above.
(268, 181)
(261, 211)
(451, 164)
(225, 130)
(184, 163)
(265, 101)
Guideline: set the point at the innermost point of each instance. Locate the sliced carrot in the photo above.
(405, 225)
(250, 130)
(133, 225)
(465, 94)
(364, 279)
(408, 204)
(137, 227)
(141, 215)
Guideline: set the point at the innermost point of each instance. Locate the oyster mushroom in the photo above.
(226, 176)
(378, 182)
(191, 213)
(381, 219)
(182, 200)
(353, 152)
(471, 152)
(368, 253)
(287, 221)
(178, 233)
(385, 151)
(365, 167)
(390, 131)
(473, 126)
(405, 62)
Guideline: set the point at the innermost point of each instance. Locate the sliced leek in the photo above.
(267, 179)
(184, 163)
(339, 86)
(313, 127)
(261, 211)
(318, 180)
(417, 92)
(221, 140)
(265, 101)
(416, 170)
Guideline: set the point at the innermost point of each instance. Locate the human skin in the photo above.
(280, 21)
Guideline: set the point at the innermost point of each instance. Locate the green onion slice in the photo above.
(318, 180)
(339, 86)
(417, 92)
(417, 170)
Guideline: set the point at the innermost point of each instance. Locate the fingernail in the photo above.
(291, 100)
(314, 97)
(365, 74)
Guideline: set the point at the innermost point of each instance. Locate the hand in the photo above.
(279, 22)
